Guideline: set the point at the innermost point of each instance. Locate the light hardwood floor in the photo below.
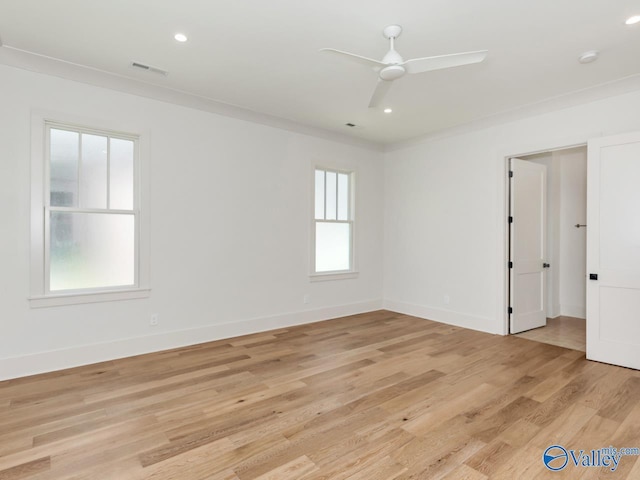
(568, 332)
(369, 397)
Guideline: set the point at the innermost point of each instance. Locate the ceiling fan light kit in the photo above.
(392, 72)
(393, 66)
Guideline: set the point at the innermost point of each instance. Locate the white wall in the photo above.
(552, 292)
(566, 244)
(230, 224)
(573, 241)
(445, 210)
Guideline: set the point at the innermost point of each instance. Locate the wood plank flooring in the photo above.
(569, 332)
(377, 396)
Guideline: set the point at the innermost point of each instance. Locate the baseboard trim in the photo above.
(473, 322)
(50, 361)
(576, 311)
(555, 311)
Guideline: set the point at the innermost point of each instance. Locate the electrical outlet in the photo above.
(306, 298)
(153, 321)
(446, 299)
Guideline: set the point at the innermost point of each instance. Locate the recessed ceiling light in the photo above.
(387, 110)
(588, 57)
(633, 20)
(180, 37)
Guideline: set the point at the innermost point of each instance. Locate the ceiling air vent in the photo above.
(149, 68)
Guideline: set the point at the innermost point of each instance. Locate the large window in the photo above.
(333, 235)
(90, 202)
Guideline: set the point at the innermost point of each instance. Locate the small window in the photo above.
(333, 225)
(90, 234)
(90, 214)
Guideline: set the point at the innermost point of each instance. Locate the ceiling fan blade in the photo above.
(426, 64)
(382, 87)
(369, 62)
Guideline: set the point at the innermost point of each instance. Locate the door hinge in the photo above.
(510, 173)
(510, 310)
(510, 264)
(510, 219)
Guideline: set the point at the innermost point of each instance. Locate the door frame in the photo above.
(504, 155)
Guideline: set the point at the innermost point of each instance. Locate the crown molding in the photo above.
(560, 102)
(34, 62)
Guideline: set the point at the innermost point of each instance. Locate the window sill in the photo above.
(322, 277)
(57, 300)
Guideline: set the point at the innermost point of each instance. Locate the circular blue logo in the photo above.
(555, 458)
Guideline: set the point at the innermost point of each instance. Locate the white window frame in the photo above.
(352, 272)
(40, 295)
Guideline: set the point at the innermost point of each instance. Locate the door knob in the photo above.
(593, 276)
(545, 265)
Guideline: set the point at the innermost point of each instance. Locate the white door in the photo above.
(613, 250)
(528, 225)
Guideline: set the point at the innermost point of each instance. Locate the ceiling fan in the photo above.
(393, 66)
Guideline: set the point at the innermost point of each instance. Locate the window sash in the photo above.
(336, 201)
(90, 131)
(315, 246)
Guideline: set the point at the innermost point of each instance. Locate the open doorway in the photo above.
(561, 279)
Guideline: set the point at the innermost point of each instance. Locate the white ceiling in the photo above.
(263, 55)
